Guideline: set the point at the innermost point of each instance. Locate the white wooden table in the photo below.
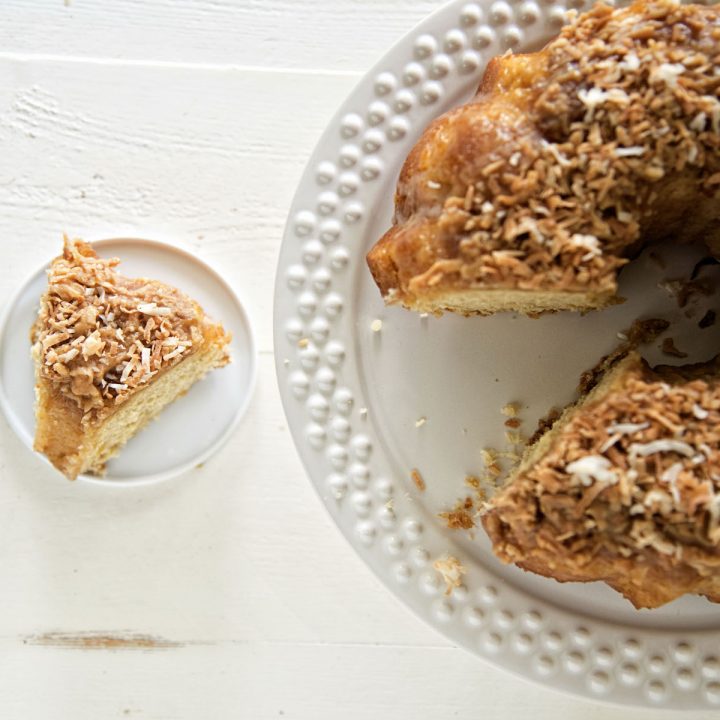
(226, 593)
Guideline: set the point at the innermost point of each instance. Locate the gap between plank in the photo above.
(170, 64)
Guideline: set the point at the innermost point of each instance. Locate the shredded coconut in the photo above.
(153, 310)
(633, 151)
(592, 467)
(589, 242)
(628, 428)
(699, 412)
(661, 446)
(667, 73)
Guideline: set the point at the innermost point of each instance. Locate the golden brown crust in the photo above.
(625, 488)
(564, 162)
(100, 339)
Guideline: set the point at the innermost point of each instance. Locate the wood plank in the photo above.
(269, 681)
(318, 34)
(240, 549)
(209, 158)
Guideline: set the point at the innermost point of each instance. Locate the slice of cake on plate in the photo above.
(110, 353)
(625, 487)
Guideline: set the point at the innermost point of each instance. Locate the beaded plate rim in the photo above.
(322, 393)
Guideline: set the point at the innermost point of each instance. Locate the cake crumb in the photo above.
(514, 437)
(363, 412)
(451, 570)
(707, 320)
(510, 410)
(420, 421)
(474, 482)
(668, 347)
(303, 342)
(376, 325)
(417, 478)
(460, 517)
(489, 457)
(685, 291)
(513, 423)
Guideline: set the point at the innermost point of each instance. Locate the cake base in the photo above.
(75, 448)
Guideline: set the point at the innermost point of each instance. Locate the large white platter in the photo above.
(353, 396)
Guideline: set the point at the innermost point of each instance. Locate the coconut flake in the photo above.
(661, 446)
(700, 412)
(559, 157)
(589, 243)
(670, 477)
(627, 428)
(632, 151)
(595, 97)
(177, 351)
(667, 73)
(66, 357)
(630, 62)
(152, 309)
(660, 497)
(609, 443)
(590, 468)
(92, 345)
(698, 122)
(129, 366)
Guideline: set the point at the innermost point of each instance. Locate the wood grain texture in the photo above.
(226, 593)
(324, 35)
(268, 681)
(209, 158)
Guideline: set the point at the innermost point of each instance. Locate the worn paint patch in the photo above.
(101, 641)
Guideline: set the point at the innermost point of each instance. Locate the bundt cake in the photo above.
(531, 198)
(534, 194)
(625, 487)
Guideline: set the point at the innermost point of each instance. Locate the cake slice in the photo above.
(110, 353)
(624, 487)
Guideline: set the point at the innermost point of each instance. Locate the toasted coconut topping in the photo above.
(637, 468)
(622, 103)
(99, 336)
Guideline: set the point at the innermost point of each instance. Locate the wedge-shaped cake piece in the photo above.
(110, 353)
(625, 487)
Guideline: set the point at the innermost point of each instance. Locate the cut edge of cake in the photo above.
(648, 575)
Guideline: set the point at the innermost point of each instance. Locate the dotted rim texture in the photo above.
(321, 261)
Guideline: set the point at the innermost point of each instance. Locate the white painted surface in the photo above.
(259, 608)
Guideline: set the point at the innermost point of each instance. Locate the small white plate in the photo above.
(177, 441)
